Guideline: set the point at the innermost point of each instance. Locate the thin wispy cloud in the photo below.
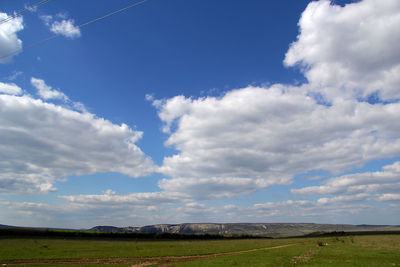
(46, 92)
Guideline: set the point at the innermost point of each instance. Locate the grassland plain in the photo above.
(332, 251)
(328, 251)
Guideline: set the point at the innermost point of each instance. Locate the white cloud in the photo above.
(267, 135)
(195, 205)
(172, 109)
(14, 75)
(62, 15)
(9, 41)
(41, 142)
(10, 89)
(79, 107)
(46, 92)
(282, 205)
(32, 8)
(110, 198)
(343, 199)
(65, 28)
(242, 141)
(211, 188)
(384, 182)
(350, 51)
(390, 197)
(152, 208)
(47, 19)
(324, 211)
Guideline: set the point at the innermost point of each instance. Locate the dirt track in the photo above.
(143, 261)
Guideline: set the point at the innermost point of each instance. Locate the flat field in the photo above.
(377, 250)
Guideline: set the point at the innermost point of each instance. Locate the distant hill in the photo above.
(6, 226)
(109, 229)
(254, 229)
(261, 229)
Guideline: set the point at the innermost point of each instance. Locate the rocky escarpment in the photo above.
(269, 229)
(191, 228)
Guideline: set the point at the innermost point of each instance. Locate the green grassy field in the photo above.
(328, 251)
(340, 251)
(56, 249)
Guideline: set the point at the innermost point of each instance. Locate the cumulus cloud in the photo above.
(343, 199)
(254, 137)
(390, 197)
(249, 138)
(104, 209)
(178, 196)
(282, 204)
(110, 198)
(46, 92)
(41, 142)
(265, 136)
(10, 89)
(314, 211)
(9, 41)
(384, 183)
(151, 208)
(211, 188)
(260, 136)
(64, 27)
(350, 51)
(172, 110)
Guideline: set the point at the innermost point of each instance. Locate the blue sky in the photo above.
(200, 111)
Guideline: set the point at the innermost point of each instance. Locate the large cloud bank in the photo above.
(254, 137)
(383, 183)
(41, 141)
(264, 136)
(250, 138)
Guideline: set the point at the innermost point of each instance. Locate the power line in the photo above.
(110, 14)
(77, 27)
(27, 9)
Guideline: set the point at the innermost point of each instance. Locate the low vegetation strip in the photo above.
(76, 234)
(53, 233)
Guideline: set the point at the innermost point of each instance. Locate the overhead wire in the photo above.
(110, 14)
(27, 9)
(73, 29)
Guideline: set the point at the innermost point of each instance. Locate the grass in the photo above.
(360, 251)
(328, 251)
(19, 248)
(333, 251)
(275, 257)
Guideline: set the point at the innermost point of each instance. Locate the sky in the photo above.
(199, 111)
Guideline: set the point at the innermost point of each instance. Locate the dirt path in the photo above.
(142, 261)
